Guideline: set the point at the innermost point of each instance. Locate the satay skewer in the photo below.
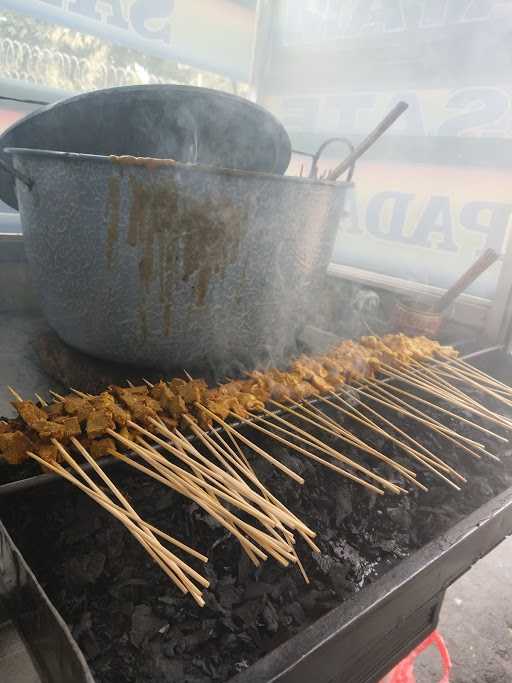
(253, 446)
(225, 478)
(428, 454)
(123, 518)
(131, 513)
(441, 409)
(224, 455)
(438, 392)
(450, 371)
(479, 374)
(129, 508)
(436, 381)
(384, 482)
(247, 491)
(432, 466)
(202, 500)
(311, 456)
(340, 432)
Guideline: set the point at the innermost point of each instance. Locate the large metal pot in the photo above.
(173, 265)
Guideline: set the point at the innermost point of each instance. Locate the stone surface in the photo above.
(476, 624)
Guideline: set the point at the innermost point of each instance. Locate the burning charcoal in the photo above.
(270, 617)
(249, 612)
(156, 667)
(324, 562)
(144, 624)
(256, 590)
(338, 575)
(343, 505)
(229, 595)
(296, 612)
(86, 568)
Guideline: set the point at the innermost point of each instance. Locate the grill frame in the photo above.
(387, 619)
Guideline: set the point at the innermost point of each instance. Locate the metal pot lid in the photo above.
(167, 121)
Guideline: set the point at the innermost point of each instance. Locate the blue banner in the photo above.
(214, 36)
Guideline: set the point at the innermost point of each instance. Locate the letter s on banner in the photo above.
(159, 11)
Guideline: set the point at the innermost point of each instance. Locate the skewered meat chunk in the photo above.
(4, 427)
(120, 415)
(47, 429)
(29, 412)
(13, 447)
(71, 425)
(193, 391)
(75, 405)
(101, 447)
(49, 452)
(98, 422)
(56, 409)
(140, 404)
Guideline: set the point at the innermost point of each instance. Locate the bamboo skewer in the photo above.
(338, 431)
(437, 378)
(165, 477)
(428, 458)
(104, 502)
(15, 394)
(253, 446)
(450, 370)
(224, 517)
(132, 514)
(122, 499)
(41, 400)
(322, 446)
(285, 515)
(432, 390)
(244, 488)
(439, 408)
(331, 451)
(271, 529)
(476, 372)
(366, 421)
(396, 405)
(312, 456)
(428, 465)
(458, 439)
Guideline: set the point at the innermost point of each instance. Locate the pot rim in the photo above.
(135, 162)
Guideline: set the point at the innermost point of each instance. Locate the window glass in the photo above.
(435, 191)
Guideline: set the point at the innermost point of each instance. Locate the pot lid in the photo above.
(181, 122)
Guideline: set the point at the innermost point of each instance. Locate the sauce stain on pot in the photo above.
(114, 200)
(194, 237)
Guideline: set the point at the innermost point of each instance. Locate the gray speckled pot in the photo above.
(174, 265)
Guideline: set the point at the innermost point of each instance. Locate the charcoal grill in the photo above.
(357, 642)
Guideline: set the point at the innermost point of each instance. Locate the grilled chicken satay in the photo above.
(90, 418)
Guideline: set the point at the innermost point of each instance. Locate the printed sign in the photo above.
(214, 36)
(482, 111)
(426, 224)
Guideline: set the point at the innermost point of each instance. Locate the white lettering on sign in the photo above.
(437, 222)
(149, 19)
(478, 111)
(320, 20)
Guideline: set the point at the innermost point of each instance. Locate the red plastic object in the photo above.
(404, 672)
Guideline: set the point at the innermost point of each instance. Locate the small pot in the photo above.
(414, 319)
